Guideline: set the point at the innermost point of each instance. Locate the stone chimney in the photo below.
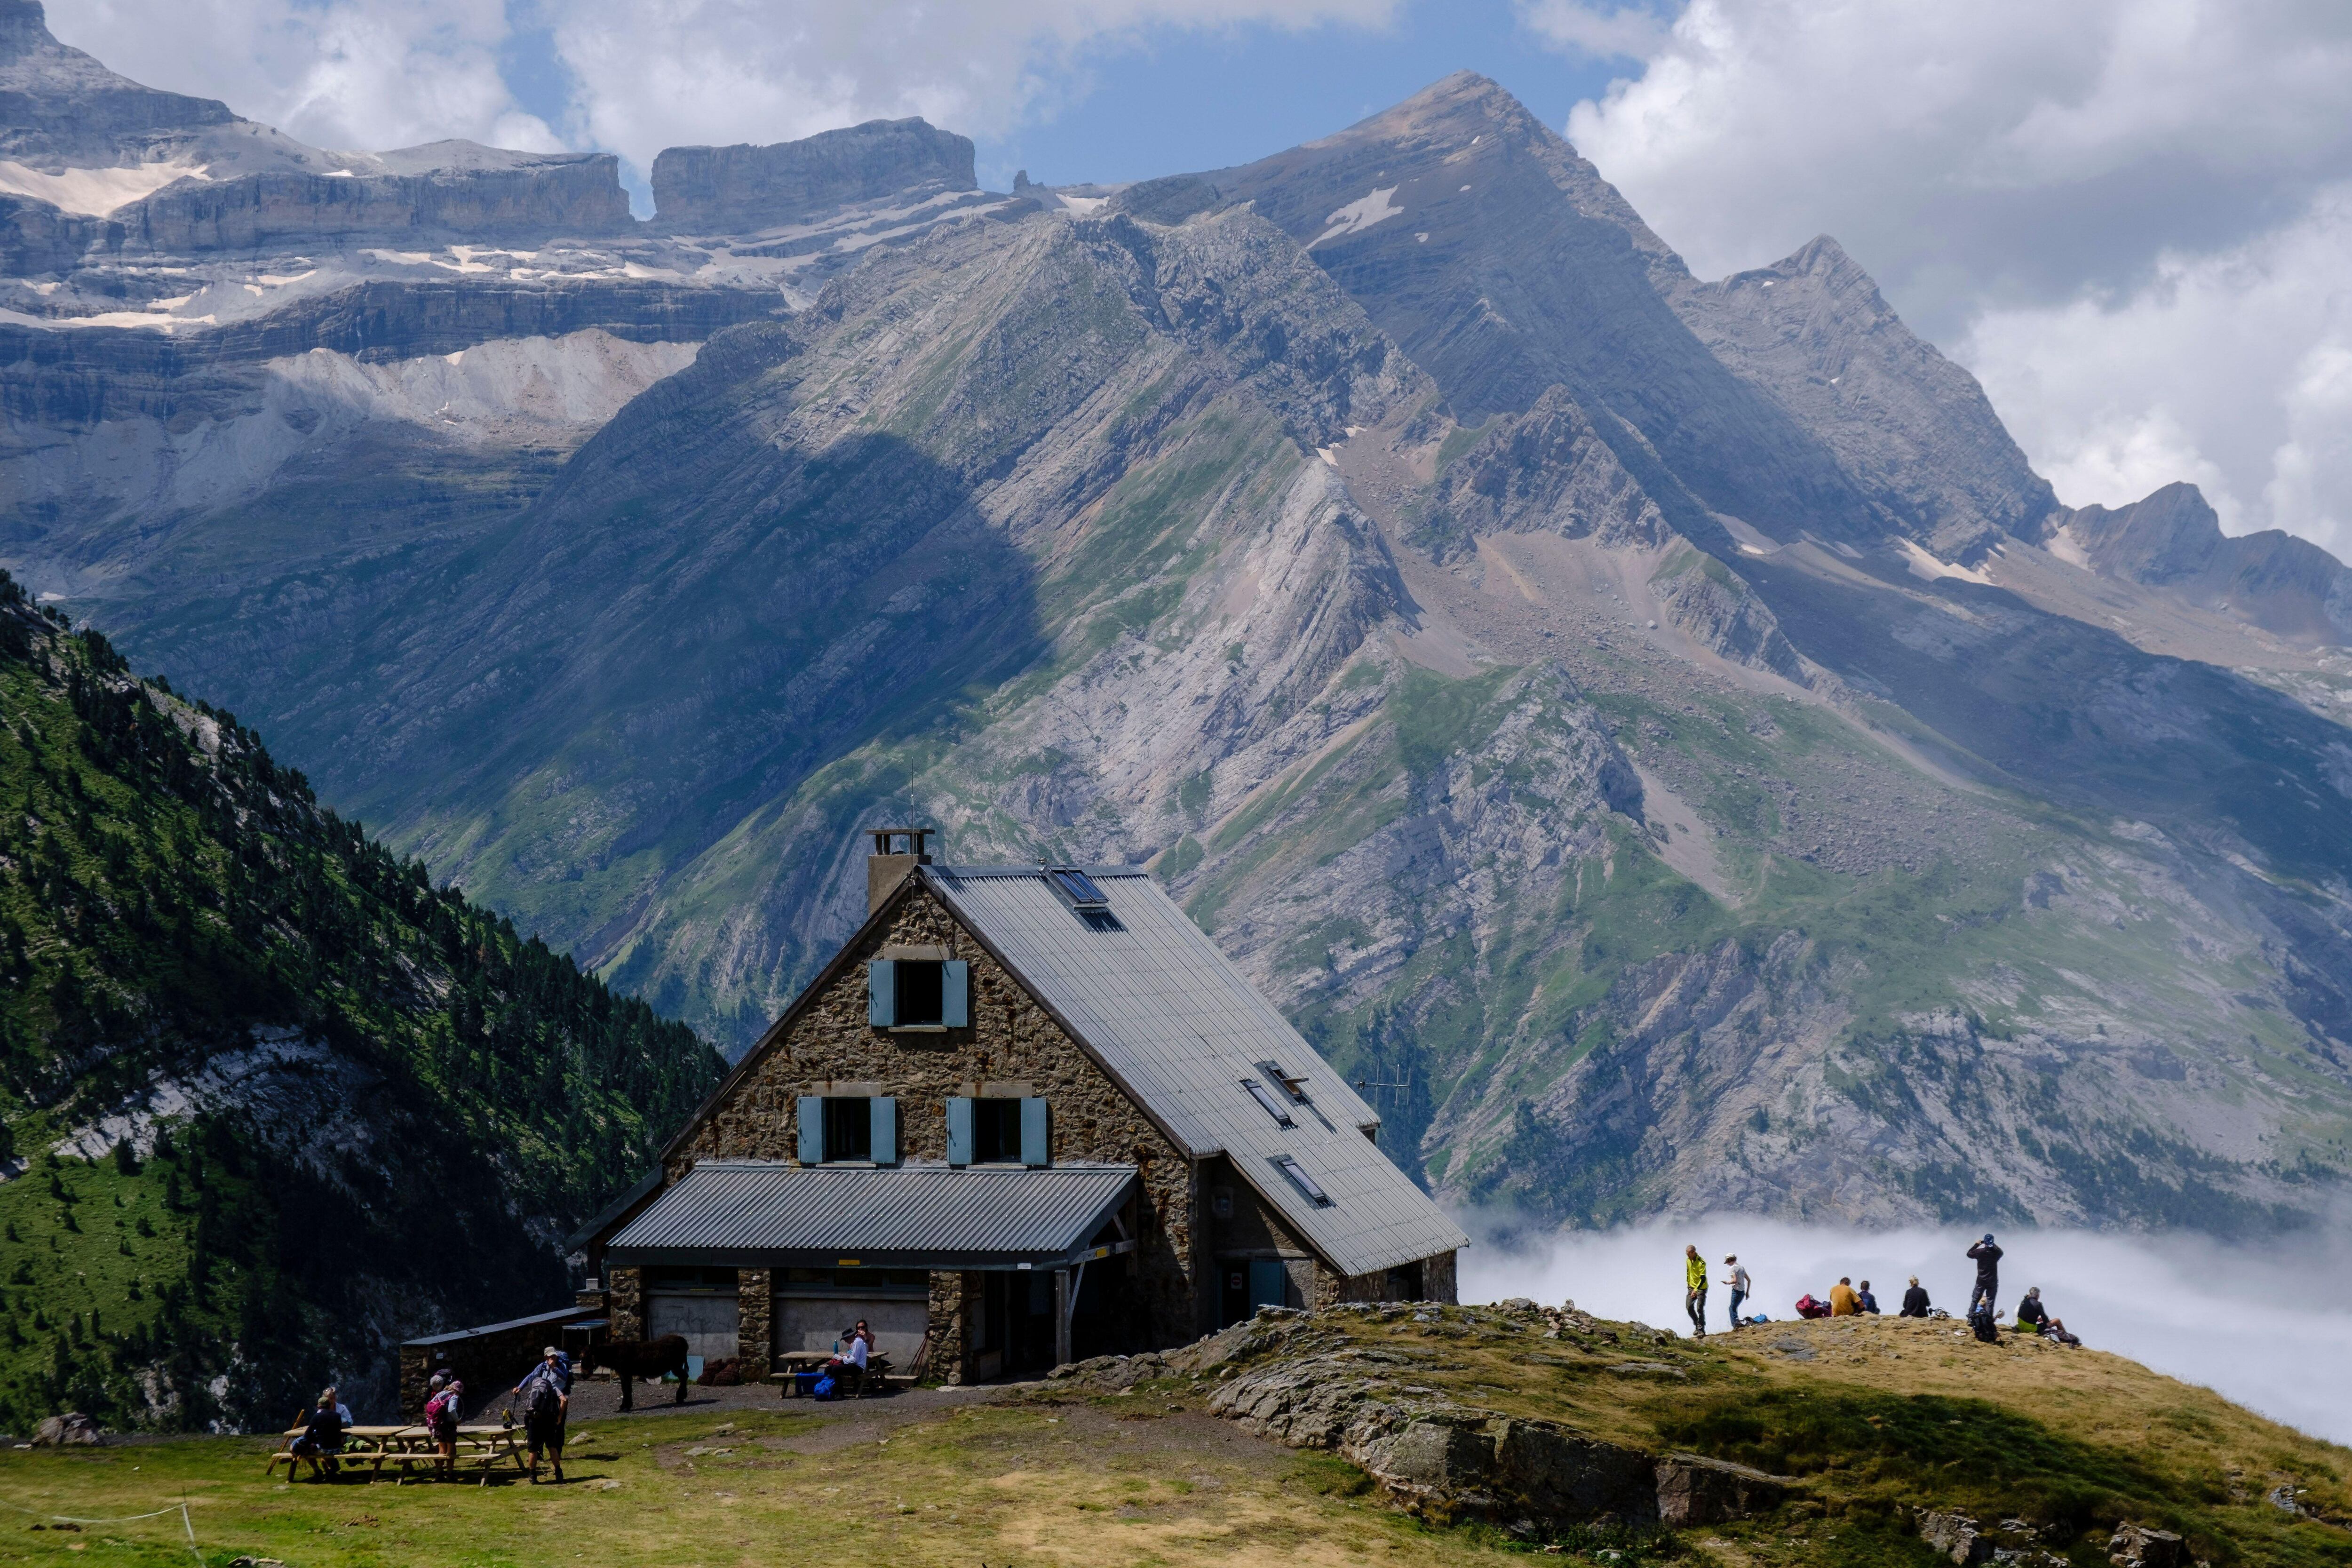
(897, 852)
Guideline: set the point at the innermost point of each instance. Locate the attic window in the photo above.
(1084, 899)
(1265, 1096)
(1307, 1183)
(1296, 1088)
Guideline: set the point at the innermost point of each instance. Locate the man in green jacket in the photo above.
(1694, 1293)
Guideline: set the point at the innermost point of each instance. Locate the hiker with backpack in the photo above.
(1694, 1289)
(546, 1394)
(442, 1408)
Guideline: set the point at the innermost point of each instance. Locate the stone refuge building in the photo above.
(1027, 1113)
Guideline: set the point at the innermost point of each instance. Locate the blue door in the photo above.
(1269, 1283)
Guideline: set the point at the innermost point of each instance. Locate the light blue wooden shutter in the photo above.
(884, 1112)
(881, 993)
(959, 1131)
(812, 1130)
(1033, 1132)
(955, 993)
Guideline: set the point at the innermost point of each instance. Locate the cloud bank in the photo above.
(2265, 1327)
(2128, 216)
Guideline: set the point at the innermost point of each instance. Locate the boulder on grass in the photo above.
(64, 1431)
(1955, 1536)
(2137, 1546)
(1694, 1491)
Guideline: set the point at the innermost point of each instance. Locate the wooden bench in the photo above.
(409, 1447)
(798, 1366)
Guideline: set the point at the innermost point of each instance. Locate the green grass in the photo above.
(1073, 1484)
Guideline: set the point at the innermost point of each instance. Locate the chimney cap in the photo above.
(903, 841)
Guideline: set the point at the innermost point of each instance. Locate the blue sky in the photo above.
(1174, 102)
(1162, 99)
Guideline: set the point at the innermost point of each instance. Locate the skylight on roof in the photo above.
(1307, 1183)
(1264, 1096)
(1076, 889)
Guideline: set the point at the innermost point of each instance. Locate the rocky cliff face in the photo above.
(1653, 732)
(701, 190)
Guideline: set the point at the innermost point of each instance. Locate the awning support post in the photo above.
(1064, 1300)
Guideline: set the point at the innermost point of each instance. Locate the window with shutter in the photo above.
(812, 1120)
(955, 993)
(849, 1125)
(960, 1146)
(1034, 1149)
(883, 1130)
(995, 1131)
(881, 993)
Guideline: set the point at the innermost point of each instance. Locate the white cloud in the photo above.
(648, 74)
(1620, 32)
(334, 75)
(2122, 213)
(685, 71)
(2232, 369)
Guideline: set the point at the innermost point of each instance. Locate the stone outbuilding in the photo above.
(1027, 1113)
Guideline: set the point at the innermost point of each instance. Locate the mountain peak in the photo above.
(58, 102)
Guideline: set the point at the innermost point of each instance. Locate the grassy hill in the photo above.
(1870, 1418)
(272, 1099)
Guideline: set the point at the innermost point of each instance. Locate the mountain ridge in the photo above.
(1650, 727)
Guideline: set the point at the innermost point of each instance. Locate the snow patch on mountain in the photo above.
(1363, 213)
(95, 192)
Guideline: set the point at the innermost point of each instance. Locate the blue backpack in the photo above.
(825, 1387)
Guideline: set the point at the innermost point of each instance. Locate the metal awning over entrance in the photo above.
(766, 1214)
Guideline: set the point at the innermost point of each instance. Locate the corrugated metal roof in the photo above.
(769, 1213)
(1180, 1028)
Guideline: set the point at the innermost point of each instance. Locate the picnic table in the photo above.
(798, 1371)
(483, 1447)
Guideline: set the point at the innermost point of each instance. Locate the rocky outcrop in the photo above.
(1547, 471)
(1283, 1380)
(743, 188)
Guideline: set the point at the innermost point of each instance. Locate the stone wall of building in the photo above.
(624, 1289)
(489, 1361)
(755, 1305)
(1437, 1278)
(1012, 1047)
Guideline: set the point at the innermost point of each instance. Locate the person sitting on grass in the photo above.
(2033, 1318)
(1868, 1302)
(1915, 1299)
(322, 1439)
(1843, 1303)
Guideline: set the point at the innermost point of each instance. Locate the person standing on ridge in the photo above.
(1737, 1281)
(1694, 1289)
(1988, 1259)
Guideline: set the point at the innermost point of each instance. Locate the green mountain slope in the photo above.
(273, 1099)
